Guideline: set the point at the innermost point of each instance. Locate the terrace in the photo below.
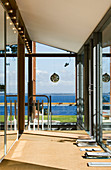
(55, 83)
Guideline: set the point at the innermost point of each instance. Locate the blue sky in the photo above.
(45, 68)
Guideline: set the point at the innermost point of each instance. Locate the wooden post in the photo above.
(30, 86)
(42, 115)
(15, 108)
(21, 85)
(38, 114)
(34, 71)
(6, 117)
(10, 114)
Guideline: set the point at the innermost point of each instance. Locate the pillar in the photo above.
(21, 85)
(30, 83)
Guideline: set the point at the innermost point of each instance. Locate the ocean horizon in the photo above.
(60, 109)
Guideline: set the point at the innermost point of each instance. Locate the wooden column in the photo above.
(30, 84)
(21, 85)
(34, 71)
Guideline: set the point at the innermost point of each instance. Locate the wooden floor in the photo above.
(11, 137)
(48, 150)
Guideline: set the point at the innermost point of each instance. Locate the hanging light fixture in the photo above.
(106, 77)
(54, 78)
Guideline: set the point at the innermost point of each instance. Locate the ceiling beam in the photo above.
(43, 55)
(50, 55)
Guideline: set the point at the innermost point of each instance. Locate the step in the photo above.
(90, 149)
(97, 155)
(85, 141)
(84, 144)
(108, 142)
(99, 164)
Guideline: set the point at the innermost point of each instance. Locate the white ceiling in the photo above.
(65, 24)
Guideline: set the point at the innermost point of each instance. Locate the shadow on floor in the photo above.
(62, 141)
(15, 165)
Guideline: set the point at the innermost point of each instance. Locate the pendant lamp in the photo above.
(54, 78)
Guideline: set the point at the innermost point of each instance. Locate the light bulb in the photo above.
(7, 3)
(11, 11)
(19, 28)
(14, 17)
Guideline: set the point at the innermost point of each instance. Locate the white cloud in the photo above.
(41, 72)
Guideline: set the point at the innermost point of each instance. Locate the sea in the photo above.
(62, 104)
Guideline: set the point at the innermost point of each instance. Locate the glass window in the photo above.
(62, 92)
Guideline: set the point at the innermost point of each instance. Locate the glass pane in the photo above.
(62, 92)
(106, 82)
(2, 99)
(11, 83)
(106, 99)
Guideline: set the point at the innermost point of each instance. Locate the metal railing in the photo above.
(31, 112)
(11, 119)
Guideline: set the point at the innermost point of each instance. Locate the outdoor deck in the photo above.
(45, 150)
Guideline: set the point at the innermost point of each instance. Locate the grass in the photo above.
(60, 118)
(2, 118)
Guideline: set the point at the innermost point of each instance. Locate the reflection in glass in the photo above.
(11, 83)
(106, 69)
(2, 98)
(106, 62)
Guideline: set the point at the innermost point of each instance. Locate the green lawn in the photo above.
(61, 118)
